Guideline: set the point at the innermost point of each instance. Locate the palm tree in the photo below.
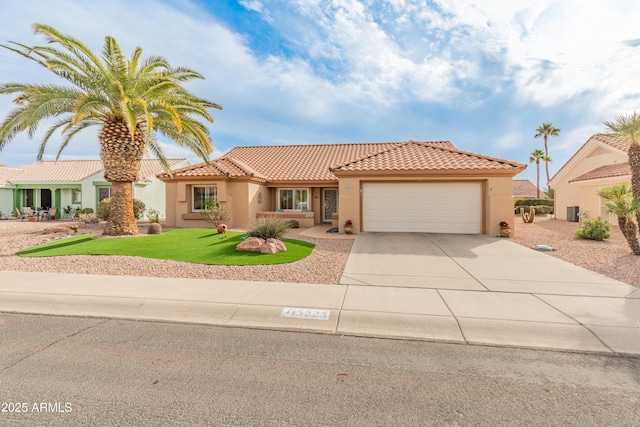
(619, 200)
(545, 131)
(628, 127)
(536, 156)
(130, 100)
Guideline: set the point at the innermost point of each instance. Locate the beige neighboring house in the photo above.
(525, 189)
(602, 161)
(76, 183)
(407, 186)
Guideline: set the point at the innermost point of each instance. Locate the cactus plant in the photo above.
(527, 217)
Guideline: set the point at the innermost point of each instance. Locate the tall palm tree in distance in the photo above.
(130, 100)
(545, 131)
(536, 156)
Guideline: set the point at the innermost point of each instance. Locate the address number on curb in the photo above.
(306, 313)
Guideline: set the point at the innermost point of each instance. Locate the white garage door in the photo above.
(422, 207)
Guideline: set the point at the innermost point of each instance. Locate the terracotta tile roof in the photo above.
(223, 167)
(418, 156)
(313, 162)
(150, 167)
(7, 173)
(608, 171)
(303, 162)
(617, 142)
(77, 170)
(58, 171)
(525, 188)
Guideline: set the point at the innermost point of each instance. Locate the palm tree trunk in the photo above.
(121, 218)
(538, 178)
(121, 156)
(546, 154)
(546, 165)
(632, 238)
(622, 223)
(634, 164)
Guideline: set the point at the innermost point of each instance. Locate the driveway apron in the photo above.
(494, 290)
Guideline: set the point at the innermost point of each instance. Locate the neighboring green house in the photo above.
(76, 183)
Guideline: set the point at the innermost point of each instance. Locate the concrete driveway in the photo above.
(487, 290)
(467, 262)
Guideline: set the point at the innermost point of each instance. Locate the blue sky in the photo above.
(482, 74)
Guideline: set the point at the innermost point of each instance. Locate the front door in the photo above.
(329, 203)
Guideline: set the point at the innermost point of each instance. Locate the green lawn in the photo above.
(196, 245)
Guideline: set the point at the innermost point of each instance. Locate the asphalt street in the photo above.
(79, 371)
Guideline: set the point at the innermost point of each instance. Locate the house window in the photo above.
(76, 196)
(201, 194)
(293, 199)
(104, 193)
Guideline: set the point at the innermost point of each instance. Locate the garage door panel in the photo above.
(422, 207)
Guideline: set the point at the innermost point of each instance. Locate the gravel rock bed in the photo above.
(324, 265)
(611, 257)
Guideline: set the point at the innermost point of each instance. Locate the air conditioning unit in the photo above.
(572, 213)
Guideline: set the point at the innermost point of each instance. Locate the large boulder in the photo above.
(271, 246)
(250, 244)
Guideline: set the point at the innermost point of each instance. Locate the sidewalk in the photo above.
(606, 323)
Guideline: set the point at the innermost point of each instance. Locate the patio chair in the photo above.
(51, 213)
(24, 214)
(28, 212)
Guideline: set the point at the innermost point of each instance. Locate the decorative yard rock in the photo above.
(250, 244)
(154, 228)
(222, 228)
(271, 246)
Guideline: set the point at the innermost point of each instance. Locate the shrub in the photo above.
(268, 228)
(81, 211)
(102, 209)
(543, 209)
(293, 223)
(138, 208)
(89, 218)
(525, 203)
(105, 205)
(214, 211)
(594, 229)
(153, 215)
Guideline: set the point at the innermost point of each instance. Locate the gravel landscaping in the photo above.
(324, 265)
(612, 257)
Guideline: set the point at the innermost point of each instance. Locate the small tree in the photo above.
(618, 200)
(214, 212)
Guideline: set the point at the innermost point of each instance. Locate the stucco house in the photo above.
(410, 186)
(76, 183)
(601, 162)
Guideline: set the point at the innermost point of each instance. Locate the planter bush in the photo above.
(594, 229)
(269, 228)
